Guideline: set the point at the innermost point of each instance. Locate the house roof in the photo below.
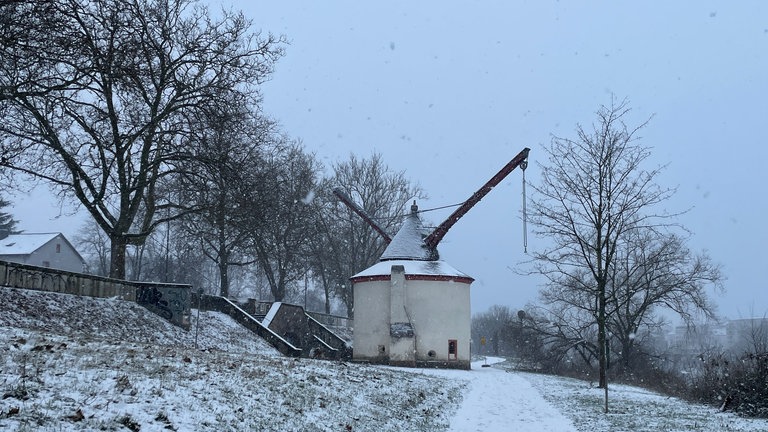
(26, 244)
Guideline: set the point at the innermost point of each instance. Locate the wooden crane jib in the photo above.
(437, 235)
(433, 239)
(346, 199)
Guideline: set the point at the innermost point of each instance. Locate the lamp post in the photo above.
(197, 324)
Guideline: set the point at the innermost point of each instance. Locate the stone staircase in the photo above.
(287, 327)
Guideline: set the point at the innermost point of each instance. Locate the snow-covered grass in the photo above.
(633, 408)
(73, 363)
(76, 363)
(58, 382)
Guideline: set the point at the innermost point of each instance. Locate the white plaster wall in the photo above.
(440, 311)
(371, 319)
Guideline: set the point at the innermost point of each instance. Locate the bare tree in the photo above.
(493, 331)
(656, 270)
(653, 271)
(593, 191)
(281, 228)
(345, 243)
(220, 181)
(168, 255)
(323, 248)
(565, 328)
(94, 98)
(93, 244)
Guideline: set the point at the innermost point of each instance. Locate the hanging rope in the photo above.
(523, 166)
(420, 211)
(439, 208)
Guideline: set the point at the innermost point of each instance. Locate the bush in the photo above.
(734, 383)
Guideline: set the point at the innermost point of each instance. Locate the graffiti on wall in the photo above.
(170, 302)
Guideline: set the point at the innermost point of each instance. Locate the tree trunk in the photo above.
(117, 256)
(626, 353)
(327, 295)
(223, 277)
(602, 343)
(350, 309)
(221, 231)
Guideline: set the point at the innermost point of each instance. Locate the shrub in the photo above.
(737, 383)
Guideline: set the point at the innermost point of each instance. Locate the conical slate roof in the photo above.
(408, 243)
(408, 249)
(414, 269)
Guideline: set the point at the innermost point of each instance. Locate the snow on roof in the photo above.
(408, 243)
(408, 249)
(25, 244)
(412, 267)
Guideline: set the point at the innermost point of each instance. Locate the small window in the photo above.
(58, 247)
(453, 349)
(382, 350)
(46, 263)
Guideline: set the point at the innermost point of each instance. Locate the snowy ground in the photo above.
(495, 400)
(74, 363)
(501, 399)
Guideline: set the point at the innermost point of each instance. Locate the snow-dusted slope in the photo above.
(70, 363)
(124, 321)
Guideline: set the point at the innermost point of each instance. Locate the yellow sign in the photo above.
(482, 340)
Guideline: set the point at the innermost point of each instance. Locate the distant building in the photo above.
(730, 335)
(51, 250)
(748, 334)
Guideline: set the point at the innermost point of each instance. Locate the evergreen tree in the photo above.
(7, 222)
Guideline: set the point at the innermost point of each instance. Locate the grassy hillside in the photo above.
(70, 363)
(75, 363)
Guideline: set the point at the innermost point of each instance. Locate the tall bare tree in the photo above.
(594, 189)
(222, 182)
(95, 98)
(653, 270)
(281, 225)
(345, 243)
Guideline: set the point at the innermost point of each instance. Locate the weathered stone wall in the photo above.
(171, 301)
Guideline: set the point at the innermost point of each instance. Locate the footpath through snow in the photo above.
(497, 400)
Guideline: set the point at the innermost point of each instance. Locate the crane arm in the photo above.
(437, 235)
(346, 199)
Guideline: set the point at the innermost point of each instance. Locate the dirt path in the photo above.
(498, 401)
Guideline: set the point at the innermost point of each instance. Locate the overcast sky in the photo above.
(448, 92)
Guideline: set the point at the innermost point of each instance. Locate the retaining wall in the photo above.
(171, 301)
